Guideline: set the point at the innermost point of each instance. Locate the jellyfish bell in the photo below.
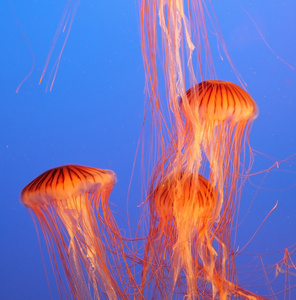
(65, 201)
(219, 101)
(66, 182)
(189, 196)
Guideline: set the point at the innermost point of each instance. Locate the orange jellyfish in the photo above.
(182, 248)
(182, 211)
(66, 202)
(218, 118)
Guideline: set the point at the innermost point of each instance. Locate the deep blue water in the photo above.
(94, 114)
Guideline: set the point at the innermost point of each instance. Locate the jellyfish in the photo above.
(66, 201)
(182, 248)
(181, 213)
(219, 115)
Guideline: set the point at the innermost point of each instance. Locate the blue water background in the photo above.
(94, 115)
